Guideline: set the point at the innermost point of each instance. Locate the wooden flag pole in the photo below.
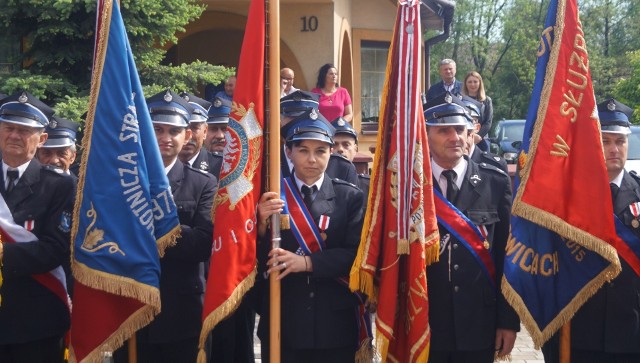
(565, 343)
(133, 349)
(273, 20)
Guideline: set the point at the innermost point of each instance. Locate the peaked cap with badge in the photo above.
(22, 108)
(62, 132)
(200, 107)
(219, 112)
(446, 110)
(343, 126)
(310, 125)
(614, 117)
(296, 103)
(168, 108)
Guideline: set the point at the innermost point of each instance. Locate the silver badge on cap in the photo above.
(448, 98)
(313, 114)
(341, 122)
(611, 106)
(53, 124)
(23, 98)
(186, 98)
(217, 102)
(168, 97)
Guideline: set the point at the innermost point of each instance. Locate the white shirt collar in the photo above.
(168, 167)
(460, 169)
(318, 182)
(21, 169)
(618, 180)
(193, 159)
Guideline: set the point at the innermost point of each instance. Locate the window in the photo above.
(9, 53)
(373, 67)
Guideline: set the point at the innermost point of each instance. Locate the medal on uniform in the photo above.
(635, 210)
(28, 225)
(323, 224)
(484, 232)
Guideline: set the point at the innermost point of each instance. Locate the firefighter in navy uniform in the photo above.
(33, 319)
(296, 104)
(217, 121)
(473, 139)
(173, 335)
(319, 313)
(346, 144)
(469, 317)
(193, 152)
(60, 148)
(607, 327)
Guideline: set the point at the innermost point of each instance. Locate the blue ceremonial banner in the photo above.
(124, 215)
(561, 248)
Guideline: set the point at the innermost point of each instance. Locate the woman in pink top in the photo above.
(334, 100)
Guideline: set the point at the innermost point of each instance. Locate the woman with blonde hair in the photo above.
(474, 88)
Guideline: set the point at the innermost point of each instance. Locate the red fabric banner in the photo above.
(233, 260)
(402, 234)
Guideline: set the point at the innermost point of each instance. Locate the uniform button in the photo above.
(455, 245)
(311, 295)
(484, 219)
(455, 267)
(456, 288)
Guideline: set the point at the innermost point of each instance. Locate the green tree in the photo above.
(57, 47)
(628, 90)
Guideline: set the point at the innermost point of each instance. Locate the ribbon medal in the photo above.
(484, 232)
(635, 210)
(323, 224)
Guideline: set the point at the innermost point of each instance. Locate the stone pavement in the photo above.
(523, 352)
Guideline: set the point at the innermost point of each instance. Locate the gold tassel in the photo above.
(285, 222)
(403, 247)
(365, 352)
(168, 240)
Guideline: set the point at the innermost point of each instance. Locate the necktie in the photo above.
(614, 190)
(452, 188)
(12, 176)
(308, 194)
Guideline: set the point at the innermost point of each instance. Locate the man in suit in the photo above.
(449, 83)
(296, 104)
(173, 335)
(469, 317)
(36, 208)
(607, 326)
(318, 321)
(59, 149)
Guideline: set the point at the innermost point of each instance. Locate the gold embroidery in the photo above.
(93, 238)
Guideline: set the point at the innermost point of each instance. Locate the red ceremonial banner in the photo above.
(233, 260)
(401, 234)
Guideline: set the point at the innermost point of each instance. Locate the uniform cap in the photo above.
(446, 110)
(311, 125)
(219, 112)
(200, 107)
(343, 126)
(62, 132)
(473, 107)
(614, 117)
(298, 102)
(169, 108)
(23, 108)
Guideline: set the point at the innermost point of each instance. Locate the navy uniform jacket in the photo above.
(480, 156)
(438, 89)
(182, 270)
(363, 183)
(339, 167)
(610, 320)
(30, 311)
(318, 312)
(208, 162)
(464, 309)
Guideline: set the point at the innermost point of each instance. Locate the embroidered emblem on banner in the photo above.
(240, 156)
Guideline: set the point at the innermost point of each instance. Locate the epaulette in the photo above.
(340, 157)
(54, 169)
(492, 168)
(216, 154)
(364, 176)
(197, 171)
(635, 176)
(344, 182)
(492, 157)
